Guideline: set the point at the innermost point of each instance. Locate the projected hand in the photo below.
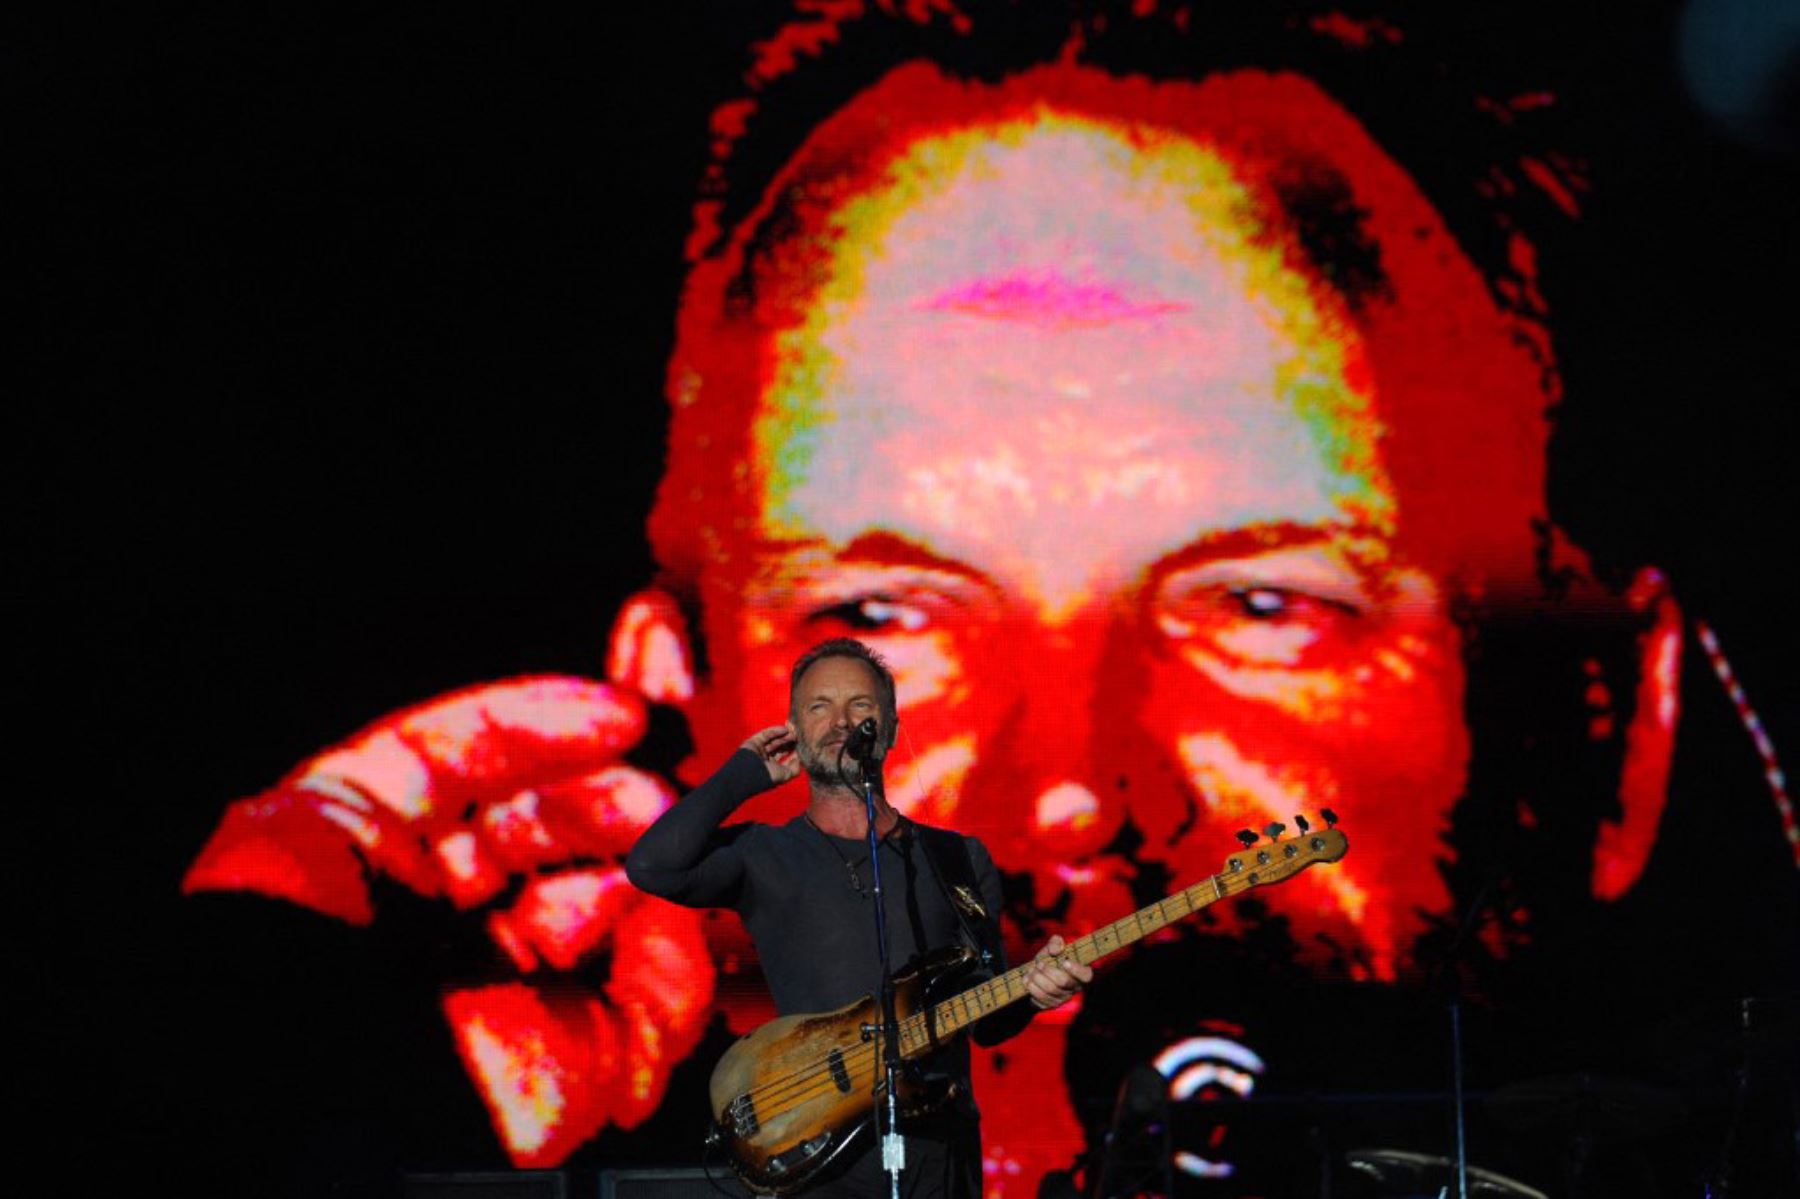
(511, 789)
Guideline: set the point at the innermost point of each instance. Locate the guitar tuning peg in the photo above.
(1301, 823)
(1331, 817)
(1274, 831)
(1246, 837)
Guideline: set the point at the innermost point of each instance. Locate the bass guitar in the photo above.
(787, 1098)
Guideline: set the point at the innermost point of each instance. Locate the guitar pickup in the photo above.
(839, 1074)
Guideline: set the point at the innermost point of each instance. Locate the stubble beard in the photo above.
(821, 766)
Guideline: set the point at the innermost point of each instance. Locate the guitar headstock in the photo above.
(1277, 859)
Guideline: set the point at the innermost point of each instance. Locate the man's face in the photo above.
(1073, 438)
(833, 696)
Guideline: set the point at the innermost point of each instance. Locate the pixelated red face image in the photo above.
(1039, 392)
(1162, 438)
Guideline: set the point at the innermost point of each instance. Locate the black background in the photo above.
(348, 332)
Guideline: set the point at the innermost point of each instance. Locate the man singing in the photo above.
(804, 890)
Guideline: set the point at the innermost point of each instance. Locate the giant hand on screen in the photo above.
(510, 802)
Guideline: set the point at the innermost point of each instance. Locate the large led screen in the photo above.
(1174, 396)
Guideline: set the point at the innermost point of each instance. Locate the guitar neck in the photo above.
(924, 1031)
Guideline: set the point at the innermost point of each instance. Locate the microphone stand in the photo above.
(1452, 966)
(893, 1145)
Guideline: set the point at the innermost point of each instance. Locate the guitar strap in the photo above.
(955, 872)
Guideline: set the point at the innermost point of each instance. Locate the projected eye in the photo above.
(875, 614)
(1258, 626)
(1290, 609)
(1267, 603)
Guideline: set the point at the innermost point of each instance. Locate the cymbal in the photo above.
(1404, 1172)
(1604, 1107)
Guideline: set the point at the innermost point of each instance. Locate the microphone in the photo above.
(861, 744)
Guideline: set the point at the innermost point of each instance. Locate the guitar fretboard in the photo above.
(924, 1031)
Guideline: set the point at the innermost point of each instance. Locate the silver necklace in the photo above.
(856, 883)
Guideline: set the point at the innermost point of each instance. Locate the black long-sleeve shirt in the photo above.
(805, 897)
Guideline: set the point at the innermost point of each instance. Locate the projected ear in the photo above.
(650, 649)
(1649, 744)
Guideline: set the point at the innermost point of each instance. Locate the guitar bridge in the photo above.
(741, 1114)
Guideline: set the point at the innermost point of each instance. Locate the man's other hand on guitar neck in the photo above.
(1055, 976)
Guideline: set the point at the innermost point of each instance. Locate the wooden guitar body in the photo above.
(788, 1098)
